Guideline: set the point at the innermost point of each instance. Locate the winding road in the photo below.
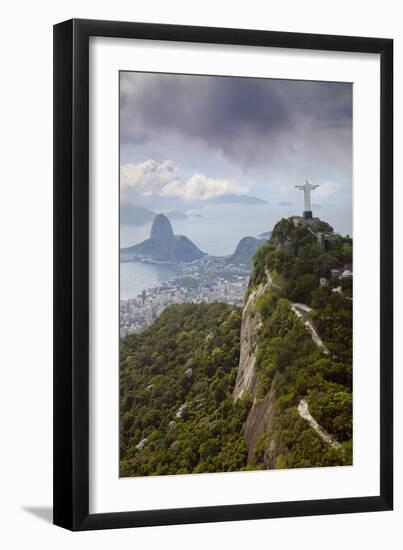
(302, 311)
(303, 411)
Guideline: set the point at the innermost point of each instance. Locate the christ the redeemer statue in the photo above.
(307, 188)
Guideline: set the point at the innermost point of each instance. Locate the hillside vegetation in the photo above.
(177, 411)
(290, 364)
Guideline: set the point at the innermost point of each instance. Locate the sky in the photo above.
(187, 139)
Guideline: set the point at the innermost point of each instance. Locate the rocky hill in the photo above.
(162, 246)
(245, 250)
(301, 392)
(131, 214)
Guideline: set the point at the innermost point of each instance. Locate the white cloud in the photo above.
(326, 189)
(152, 178)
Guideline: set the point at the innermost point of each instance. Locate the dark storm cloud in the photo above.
(218, 111)
(248, 120)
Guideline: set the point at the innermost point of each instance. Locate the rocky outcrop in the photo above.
(258, 421)
(251, 324)
(161, 229)
(162, 246)
(260, 414)
(263, 428)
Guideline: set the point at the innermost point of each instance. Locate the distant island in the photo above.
(134, 214)
(231, 198)
(177, 215)
(131, 214)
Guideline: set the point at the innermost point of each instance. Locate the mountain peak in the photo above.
(163, 245)
(161, 229)
(245, 250)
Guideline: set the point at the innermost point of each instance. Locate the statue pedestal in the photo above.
(307, 214)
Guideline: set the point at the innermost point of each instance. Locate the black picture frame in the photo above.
(71, 274)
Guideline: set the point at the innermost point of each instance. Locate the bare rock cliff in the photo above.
(251, 324)
(260, 414)
(258, 421)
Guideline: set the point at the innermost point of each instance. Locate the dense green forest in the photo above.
(288, 361)
(291, 366)
(176, 402)
(178, 414)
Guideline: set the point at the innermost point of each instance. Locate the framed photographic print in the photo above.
(223, 274)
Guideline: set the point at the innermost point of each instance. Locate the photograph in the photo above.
(201, 274)
(236, 274)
